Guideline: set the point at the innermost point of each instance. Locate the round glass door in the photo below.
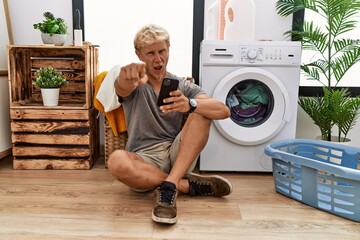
(258, 102)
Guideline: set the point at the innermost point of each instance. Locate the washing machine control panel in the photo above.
(248, 53)
(259, 54)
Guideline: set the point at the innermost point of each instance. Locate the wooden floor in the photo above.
(90, 204)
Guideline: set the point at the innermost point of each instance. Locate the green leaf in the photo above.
(49, 78)
(52, 25)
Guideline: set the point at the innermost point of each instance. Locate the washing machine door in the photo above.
(259, 105)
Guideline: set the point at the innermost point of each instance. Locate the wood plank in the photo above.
(67, 164)
(71, 86)
(51, 151)
(65, 99)
(46, 114)
(70, 75)
(70, 139)
(47, 126)
(74, 105)
(61, 64)
(47, 51)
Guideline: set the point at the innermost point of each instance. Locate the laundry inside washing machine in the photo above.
(250, 102)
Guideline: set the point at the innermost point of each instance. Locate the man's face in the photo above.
(156, 57)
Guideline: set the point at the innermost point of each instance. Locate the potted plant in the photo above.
(54, 30)
(332, 57)
(49, 80)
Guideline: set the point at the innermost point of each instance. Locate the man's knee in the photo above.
(116, 162)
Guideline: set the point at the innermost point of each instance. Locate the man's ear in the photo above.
(138, 53)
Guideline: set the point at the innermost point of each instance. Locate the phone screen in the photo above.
(168, 85)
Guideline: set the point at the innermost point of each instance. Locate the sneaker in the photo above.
(208, 185)
(165, 203)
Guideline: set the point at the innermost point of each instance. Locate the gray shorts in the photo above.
(163, 155)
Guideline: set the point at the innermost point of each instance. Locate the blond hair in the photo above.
(149, 34)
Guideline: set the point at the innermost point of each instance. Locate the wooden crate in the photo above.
(78, 64)
(59, 137)
(54, 139)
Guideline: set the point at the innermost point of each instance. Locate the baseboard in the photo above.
(5, 153)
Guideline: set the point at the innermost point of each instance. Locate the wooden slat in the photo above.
(54, 114)
(38, 164)
(74, 76)
(65, 100)
(48, 126)
(58, 64)
(78, 87)
(69, 75)
(89, 83)
(58, 152)
(50, 51)
(70, 139)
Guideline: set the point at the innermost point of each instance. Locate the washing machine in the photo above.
(259, 82)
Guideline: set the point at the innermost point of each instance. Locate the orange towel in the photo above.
(115, 117)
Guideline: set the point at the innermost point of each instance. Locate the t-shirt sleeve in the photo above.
(189, 89)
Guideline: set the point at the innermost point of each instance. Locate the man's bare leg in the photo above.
(130, 169)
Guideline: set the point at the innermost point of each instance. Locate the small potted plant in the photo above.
(49, 80)
(54, 30)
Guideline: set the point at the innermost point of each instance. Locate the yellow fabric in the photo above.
(115, 117)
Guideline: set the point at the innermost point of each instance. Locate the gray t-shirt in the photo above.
(146, 123)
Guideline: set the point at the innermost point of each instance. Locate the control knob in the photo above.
(252, 54)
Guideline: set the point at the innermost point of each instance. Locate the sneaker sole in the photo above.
(215, 176)
(163, 220)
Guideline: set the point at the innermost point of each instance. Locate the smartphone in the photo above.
(168, 85)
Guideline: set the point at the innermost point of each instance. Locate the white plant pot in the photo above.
(55, 39)
(334, 139)
(50, 96)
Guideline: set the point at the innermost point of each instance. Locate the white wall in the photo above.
(25, 13)
(4, 39)
(5, 139)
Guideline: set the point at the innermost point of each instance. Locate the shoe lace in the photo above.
(167, 196)
(198, 188)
